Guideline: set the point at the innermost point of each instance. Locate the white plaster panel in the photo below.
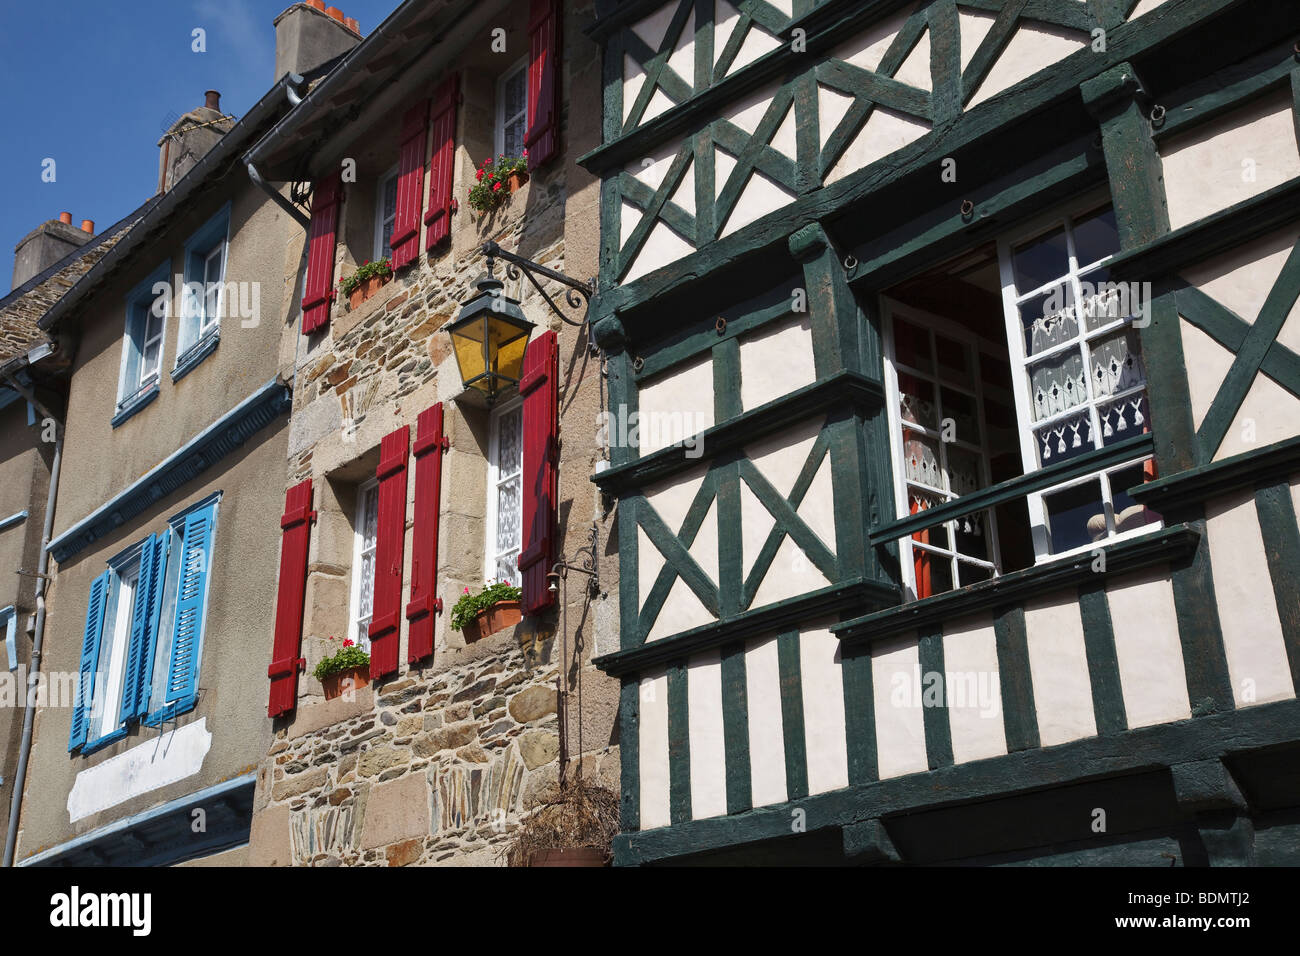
(1243, 589)
(792, 573)
(1058, 670)
(1204, 168)
(1242, 278)
(653, 750)
(822, 682)
(159, 761)
(781, 457)
(766, 728)
(972, 691)
(708, 746)
(649, 562)
(832, 106)
(757, 42)
(704, 549)
(681, 611)
(682, 60)
(675, 406)
(672, 498)
(1207, 363)
(915, 68)
(756, 523)
(885, 132)
(1144, 7)
(1269, 414)
(973, 26)
(1033, 47)
(900, 726)
(867, 48)
(1147, 648)
(818, 507)
(775, 360)
(1295, 495)
(760, 196)
(661, 247)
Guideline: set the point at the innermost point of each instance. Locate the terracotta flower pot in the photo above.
(488, 621)
(340, 682)
(366, 289)
(569, 856)
(516, 180)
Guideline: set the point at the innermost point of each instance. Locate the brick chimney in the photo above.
(309, 34)
(189, 139)
(47, 244)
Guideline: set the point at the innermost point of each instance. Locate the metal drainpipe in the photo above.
(38, 639)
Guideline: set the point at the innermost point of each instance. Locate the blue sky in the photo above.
(90, 83)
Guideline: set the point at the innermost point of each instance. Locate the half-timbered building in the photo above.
(959, 338)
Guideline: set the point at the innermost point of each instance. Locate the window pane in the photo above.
(916, 400)
(1117, 363)
(1049, 320)
(509, 515)
(971, 573)
(912, 346)
(963, 471)
(971, 538)
(513, 141)
(961, 408)
(1096, 237)
(1128, 513)
(1124, 418)
(1075, 516)
(1065, 438)
(921, 460)
(954, 362)
(1057, 384)
(510, 449)
(1041, 260)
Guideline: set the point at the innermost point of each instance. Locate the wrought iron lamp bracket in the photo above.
(577, 294)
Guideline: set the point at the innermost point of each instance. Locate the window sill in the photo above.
(196, 353)
(1121, 557)
(136, 402)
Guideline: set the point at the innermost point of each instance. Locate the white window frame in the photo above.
(105, 716)
(502, 120)
(1022, 385)
(359, 548)
(494, 480)
(210, 319)
(142, 297)
(383, 223)
(935, 324)
(9, 627)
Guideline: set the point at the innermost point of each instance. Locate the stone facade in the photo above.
(435, 767)
(436, 764)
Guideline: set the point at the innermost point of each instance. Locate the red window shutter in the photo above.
(326, 197)
(295, 527)
(543, 137)
(442, 126)
(410, 186)
(390, 536)
(540, 475)
(429, 446)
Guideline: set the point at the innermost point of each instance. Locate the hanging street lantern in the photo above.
(489, 337)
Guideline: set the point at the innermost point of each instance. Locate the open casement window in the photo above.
(204, 299)
(385, 213)
(365, 528)
(504, 526)
(512, 110)
(946, 382)
(148, 306)
(9, 632)
(111, 664)
(1009, 360)
(1080, 383)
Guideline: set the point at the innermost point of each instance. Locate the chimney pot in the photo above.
(354, 25)
(88, 226)
(334, 12)
(318, 4)
(212, 100)
(65, 217)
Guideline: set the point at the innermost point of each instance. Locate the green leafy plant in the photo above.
(489, 189)
(348, 656)
(469, 605)
(368, 270)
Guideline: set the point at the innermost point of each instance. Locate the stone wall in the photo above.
(435, 767)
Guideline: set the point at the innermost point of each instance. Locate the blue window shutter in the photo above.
(89, 658)
(191, 600)
(144, 627)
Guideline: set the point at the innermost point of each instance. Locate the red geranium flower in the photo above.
(496, 186)
(348, 642)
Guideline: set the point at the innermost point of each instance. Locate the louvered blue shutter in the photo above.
(191, 605)
(144, 627)
(89, 658)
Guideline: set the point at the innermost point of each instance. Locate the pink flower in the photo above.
(466, 591)
(479, 174)
(496, 186)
